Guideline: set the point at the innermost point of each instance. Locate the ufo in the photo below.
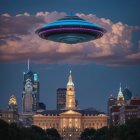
(70, 30)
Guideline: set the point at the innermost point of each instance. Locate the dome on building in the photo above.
(70, 30)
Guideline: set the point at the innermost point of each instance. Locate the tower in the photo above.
(30, 95)
(120, 97)
(61, 98)
(70, 94)
(12, 104)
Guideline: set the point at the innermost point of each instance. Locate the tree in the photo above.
(37, 130)
(53, 134)
(4, 130)
(88, 134)
(102, 134)
(14, 132)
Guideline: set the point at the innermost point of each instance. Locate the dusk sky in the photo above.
(97, 66)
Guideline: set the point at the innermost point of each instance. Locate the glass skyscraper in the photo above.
(30, 94)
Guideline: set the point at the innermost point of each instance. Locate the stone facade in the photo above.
(70, 123)
(10, 116)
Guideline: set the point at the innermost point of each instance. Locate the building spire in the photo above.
(70, 76)
(28, 64)
(120, 94)
(70, 79)
(120, 87)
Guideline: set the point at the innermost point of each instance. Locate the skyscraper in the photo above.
(127, 94)
(70, 94)
(61, 98)
(111, 101)
(30, 95)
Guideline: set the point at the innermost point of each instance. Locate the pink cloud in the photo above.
(18, 42)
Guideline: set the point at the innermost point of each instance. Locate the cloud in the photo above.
(18, 42)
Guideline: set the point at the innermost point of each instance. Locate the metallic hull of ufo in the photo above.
(70, 30)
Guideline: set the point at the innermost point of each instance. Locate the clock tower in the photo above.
(70, 94)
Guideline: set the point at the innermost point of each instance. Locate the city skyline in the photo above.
(115, 94)
(98, 66)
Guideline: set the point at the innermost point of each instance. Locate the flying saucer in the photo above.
(70, 30)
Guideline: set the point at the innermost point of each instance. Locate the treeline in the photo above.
(129, 131)
(14, 132)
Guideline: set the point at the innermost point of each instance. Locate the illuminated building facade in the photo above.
(10, 116)
(71, 121)
(70, 94)
(12, 104)
(61, 99)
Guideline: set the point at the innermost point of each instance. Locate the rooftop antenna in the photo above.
(28, 64)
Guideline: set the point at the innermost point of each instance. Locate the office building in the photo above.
(30, 95)
(61, 98)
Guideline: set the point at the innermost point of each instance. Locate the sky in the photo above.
(97, 66)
